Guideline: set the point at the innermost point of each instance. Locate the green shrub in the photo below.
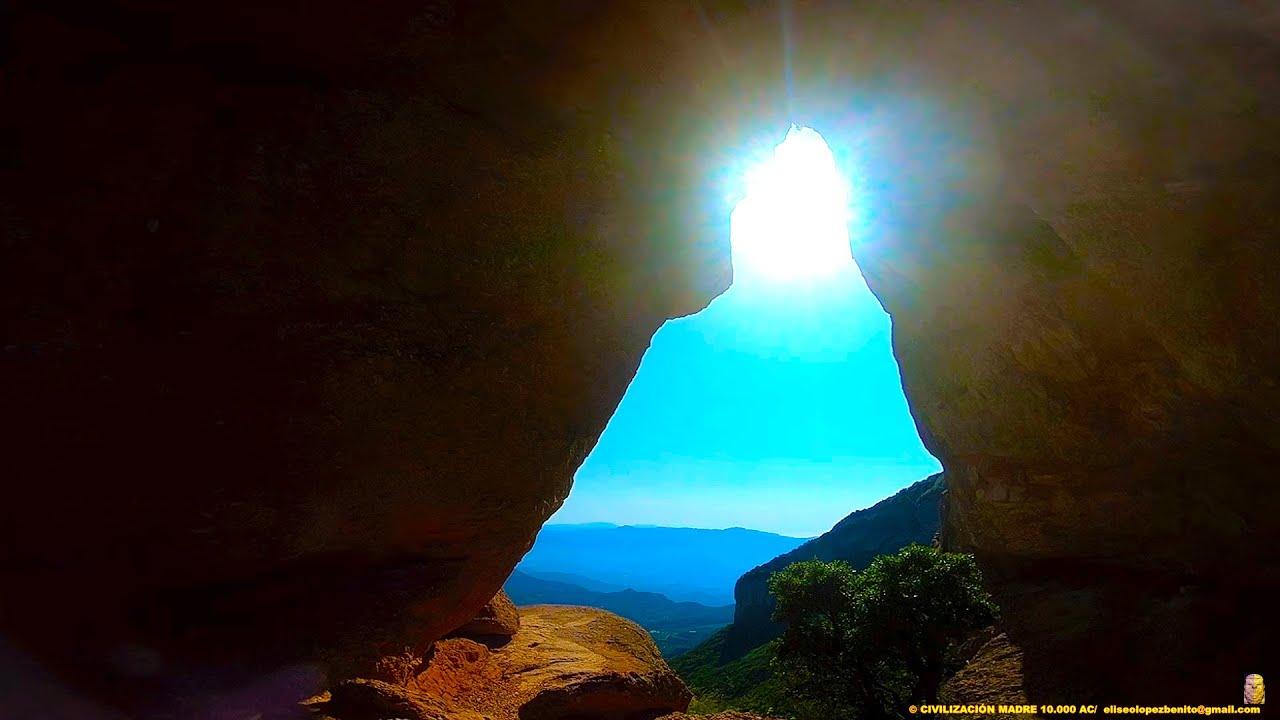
(869, 644)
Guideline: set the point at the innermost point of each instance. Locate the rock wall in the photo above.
(312, 312)
(563, 663)
(1072, 222)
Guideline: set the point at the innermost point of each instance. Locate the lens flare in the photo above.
(793, 223)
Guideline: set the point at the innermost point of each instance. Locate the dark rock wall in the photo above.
(312, 312)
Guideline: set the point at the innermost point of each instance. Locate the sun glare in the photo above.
(793, 223)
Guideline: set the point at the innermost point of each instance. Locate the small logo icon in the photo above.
(1254, 693)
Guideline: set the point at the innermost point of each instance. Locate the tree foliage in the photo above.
(870, 643)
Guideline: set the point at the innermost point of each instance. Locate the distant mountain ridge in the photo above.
(675, 626)
(580, 581)
(685, 564)
(733, 663)
(608, 525)
(583, 526)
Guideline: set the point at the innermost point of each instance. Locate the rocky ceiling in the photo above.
(311, 312)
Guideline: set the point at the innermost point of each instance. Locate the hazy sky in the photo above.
(777, 408)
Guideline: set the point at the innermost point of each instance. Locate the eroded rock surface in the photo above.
(565, 662)
(993, 675)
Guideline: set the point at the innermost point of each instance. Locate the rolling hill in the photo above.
(685, 564)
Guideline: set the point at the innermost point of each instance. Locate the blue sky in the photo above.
(779, 407)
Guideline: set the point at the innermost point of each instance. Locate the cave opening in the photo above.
(768, 417)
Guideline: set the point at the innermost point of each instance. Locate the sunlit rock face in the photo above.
(563, 663)
(1071, 218)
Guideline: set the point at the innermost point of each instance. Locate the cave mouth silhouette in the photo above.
(780, 406)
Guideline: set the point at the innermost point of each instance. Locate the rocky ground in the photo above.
(561, 662)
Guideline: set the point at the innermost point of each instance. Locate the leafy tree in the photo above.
(874, 642)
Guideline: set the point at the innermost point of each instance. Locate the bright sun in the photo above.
(792, 224)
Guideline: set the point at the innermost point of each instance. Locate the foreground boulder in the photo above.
(581, 662)
(564, 662)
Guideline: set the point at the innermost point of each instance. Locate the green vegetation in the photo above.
(746, 683)
(674, 643)
(869, 644)
(856, 644)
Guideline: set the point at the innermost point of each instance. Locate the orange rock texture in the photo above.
(565, 662)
